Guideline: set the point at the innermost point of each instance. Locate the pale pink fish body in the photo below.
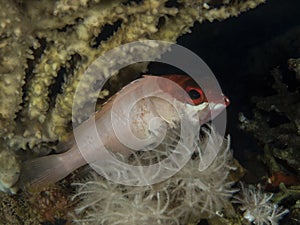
(122, 125)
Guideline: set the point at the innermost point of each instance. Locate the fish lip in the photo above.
(212, 111)
(226, 100)
(208, 111)
(216, 109)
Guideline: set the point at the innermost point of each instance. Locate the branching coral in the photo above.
(184, 198)
(279, 115)
(276, 126)
(9, 173)
(58, 41)
(45, 47)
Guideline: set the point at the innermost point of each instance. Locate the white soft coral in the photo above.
(195, 192)
(258, 207)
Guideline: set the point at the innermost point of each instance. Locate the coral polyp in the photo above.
(184, 198)
(258, 207)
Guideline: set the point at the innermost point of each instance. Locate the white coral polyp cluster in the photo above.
(258, 207)
(187, 197)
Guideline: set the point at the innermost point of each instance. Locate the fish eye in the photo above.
(196, 95)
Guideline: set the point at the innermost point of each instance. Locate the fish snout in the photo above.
(226, 100)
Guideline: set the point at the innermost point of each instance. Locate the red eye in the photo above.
(196, 95)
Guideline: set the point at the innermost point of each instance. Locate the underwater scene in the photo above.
(150, 112)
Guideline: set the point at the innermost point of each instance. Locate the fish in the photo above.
(133, 118)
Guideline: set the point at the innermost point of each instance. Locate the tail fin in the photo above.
(43, 171)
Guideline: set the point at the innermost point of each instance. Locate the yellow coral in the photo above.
(45, 47)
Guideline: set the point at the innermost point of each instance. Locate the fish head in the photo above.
(195, 98)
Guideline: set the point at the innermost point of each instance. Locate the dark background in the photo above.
(241, 51)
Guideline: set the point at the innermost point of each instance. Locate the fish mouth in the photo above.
(213, 110)
(209, 111)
